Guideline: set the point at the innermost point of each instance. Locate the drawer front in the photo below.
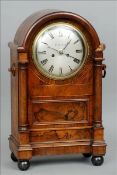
(60, 135)
(53, 111)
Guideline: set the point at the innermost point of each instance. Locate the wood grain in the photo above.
(50, 117)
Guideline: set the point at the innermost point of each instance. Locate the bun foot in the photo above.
(13, 157)
(97, 160)
(23, 164)
(87, 155)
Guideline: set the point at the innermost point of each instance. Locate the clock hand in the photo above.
(59, 51)
(73, 57)
(50, 47)
(66, 45)
(53, 49)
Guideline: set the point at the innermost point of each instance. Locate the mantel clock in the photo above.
(56, 88)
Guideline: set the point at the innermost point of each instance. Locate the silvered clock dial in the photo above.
(59, 50)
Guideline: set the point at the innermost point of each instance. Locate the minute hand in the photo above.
(66, 45)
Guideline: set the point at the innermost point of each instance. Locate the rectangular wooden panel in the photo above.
(60, 135)
(53, 111)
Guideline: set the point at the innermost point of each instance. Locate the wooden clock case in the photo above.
(53, 117)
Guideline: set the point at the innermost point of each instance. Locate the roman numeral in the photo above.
(43, 52)
(44, 61)
(61, 71)
(60, 34)
(78, 51)
(76, 60)
(76, 41)
(44, 43)
(51, 68)
(70, 68)
(51, 35)
(68, 36)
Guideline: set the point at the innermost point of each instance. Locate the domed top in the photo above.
(29, 27)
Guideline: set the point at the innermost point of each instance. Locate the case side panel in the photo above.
(14, 93)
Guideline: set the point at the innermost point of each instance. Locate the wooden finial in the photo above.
(101, 48)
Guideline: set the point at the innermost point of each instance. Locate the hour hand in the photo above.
(50, 47)
(53, 49)
(75, 59)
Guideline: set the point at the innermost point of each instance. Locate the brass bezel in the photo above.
(34, 55)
